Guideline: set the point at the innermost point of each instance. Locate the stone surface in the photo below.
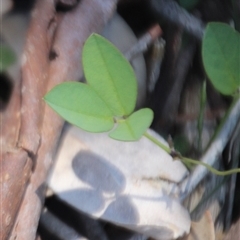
(128, 184)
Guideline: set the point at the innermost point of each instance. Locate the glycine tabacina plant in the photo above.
(108, 98)
(221, 57)
(106, 102)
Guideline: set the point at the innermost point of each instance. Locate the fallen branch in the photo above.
(171, 11)
(63, 35)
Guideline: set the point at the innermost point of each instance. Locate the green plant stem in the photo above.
(203, 100)
(222, 122)
(188, 161)
(157, 142)
(210, 168)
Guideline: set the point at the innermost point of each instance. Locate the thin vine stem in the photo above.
(157, 142)
(210, 168)
(188, 161)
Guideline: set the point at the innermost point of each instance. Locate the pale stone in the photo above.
(127, 183)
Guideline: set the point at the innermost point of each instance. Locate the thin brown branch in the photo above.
(35, 66)
(171, 11)
(14, 174)
(73, 29)
(15, 165)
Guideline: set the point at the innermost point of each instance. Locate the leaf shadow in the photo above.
(107, 184)
(98, 173)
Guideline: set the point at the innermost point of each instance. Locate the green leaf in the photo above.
(79, 104)
(132, 128)
(110, 75)
(221, 57)
(7, 57)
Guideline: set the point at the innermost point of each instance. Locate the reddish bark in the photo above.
(35, 64)
(52, 55)
(15, 172)
(15, 165)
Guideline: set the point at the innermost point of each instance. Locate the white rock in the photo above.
(127, 183)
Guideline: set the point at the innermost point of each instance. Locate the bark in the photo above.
(35, 64)
(15, 165)
(52, 55)
(15, 171)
